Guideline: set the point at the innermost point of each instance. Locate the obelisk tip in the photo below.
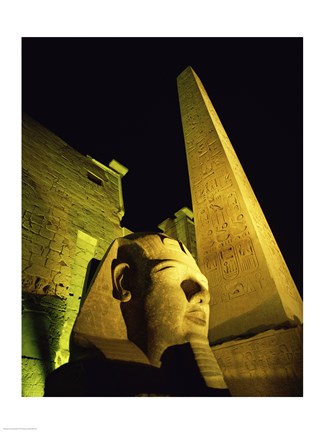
(186, 70)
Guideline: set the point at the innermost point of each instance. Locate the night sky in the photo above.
(116, 98)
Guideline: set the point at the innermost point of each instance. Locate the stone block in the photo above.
(42, 241)
(25, 263)
(73, 306)
(36, 258)
(35, 335)
(59, 238)
(33, 376)
(36, 268)
(52, 227)
(53, 265)
(27, 235)
(65, 270)
(77, 280)
(67, 251)
(36, 249)
(269, 364)
(85, 241)
(78, 270)
(66, 261)
(56, 246)
(61, 291)
(36, 284)
(60, 278)
(34, 228)
(38, 219)
(53, 255)
(59, 212)
(82, 261)
(46, 233)
(28, 282)
(28, 206)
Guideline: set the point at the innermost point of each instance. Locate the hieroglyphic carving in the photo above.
(221, 217)
(269, 364)
(224, 232)
(280, 271)
(234, 242)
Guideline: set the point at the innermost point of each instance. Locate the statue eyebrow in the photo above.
(163, 267)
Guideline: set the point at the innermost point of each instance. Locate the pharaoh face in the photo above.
(148, 290)
(175, 304)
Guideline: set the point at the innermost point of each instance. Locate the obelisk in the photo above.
(250, 284)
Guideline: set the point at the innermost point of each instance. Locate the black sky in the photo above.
(116, 98)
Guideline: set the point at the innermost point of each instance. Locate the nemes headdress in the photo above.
(100, 318)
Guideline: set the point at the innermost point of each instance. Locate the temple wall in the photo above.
(71, 211)
(182, 228)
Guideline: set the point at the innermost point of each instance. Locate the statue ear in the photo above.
(120, 289)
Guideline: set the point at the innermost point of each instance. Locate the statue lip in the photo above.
(197, 316)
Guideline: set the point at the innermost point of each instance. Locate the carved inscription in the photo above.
(223, 227)
(265, 365)
(235, 247)
(225, 245)
(246, 255)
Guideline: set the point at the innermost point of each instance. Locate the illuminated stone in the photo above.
(269, 364)
(35, 331)
(181, 228)
(71, 207)
(147, 296)
(250, 285)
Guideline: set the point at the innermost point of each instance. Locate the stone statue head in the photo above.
(147, 290)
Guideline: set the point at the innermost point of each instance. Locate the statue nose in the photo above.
(202, 296)
(195, 292)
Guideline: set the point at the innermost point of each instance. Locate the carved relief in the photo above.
(211, 262)
(225, 239)
(219, 217)
(229, 264)
(211, 268)
(192, 118)
(246, 255)
(223, 178)
(272, 363)
(237, 288)
(229, 221)
(203, 217)
(290, 288)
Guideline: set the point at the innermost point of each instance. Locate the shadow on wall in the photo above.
(92, 269)
(42, 322)
(42, 312)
